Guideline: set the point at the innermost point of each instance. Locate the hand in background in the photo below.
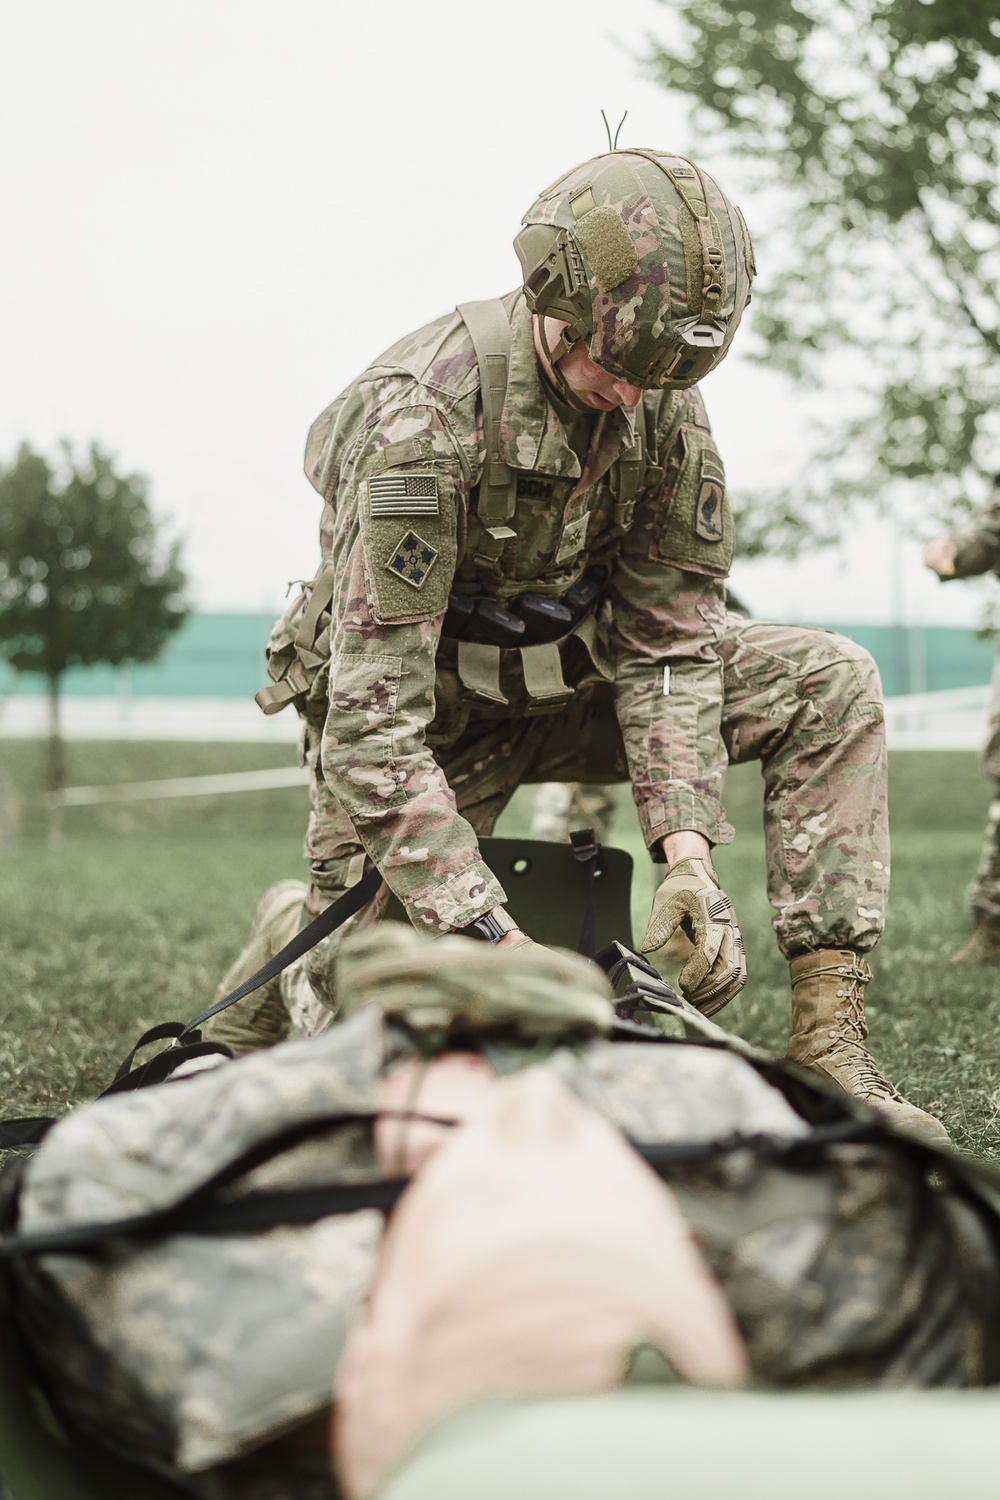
(939, 556)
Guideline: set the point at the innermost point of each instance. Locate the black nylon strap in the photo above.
(202, 1211)
(241, 1215)
(164, 1063)
(294, 1206)
(15, 1135)
(26, 1133)
(587, 852)
(166, 1031)
(258, 1211)
(320, 927)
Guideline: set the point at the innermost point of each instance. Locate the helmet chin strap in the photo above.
(553, 356)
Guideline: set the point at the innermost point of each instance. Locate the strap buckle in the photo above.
(543, 679)
(585, 845)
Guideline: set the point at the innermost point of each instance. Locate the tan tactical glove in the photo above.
(690, 901)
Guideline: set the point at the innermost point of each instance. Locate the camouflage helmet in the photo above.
(643, 254)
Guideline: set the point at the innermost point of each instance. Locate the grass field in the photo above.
(133, 918)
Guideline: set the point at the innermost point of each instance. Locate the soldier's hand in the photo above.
(518, 941)
(939, 556)
(690, 901)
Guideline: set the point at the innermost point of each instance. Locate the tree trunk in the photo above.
(57, 764)
(8, 826)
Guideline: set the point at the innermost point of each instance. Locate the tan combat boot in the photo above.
(982, 946)
(260, 1019)
(829, 1028)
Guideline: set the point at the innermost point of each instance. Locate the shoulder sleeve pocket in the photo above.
(408, 521)
(697, 527)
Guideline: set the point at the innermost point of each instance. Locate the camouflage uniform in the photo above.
(979, 552)
(458, 479)
(662, 688)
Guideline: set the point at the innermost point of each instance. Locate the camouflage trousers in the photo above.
(806, 703)
(984, 893)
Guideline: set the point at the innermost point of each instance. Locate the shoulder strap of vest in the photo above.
(489, 329)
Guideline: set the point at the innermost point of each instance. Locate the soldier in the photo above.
(526, 537)
(971, 552)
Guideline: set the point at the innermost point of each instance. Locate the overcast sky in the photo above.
(218, 211)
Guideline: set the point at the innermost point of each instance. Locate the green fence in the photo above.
(211, 656)
(924, 658)
(221, 656)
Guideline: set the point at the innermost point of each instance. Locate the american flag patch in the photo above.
(403, 495)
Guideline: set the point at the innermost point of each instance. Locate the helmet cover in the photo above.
(641, 253)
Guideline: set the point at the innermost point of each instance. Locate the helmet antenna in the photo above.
(613, 145)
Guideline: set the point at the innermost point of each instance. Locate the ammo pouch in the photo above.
(531, 620)
(535, 625)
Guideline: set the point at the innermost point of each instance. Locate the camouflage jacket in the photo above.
(979, 543)
(398, 458)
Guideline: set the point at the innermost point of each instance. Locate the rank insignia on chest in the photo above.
(573, 537)
(403, 495)
(412, 559)
(708, 509)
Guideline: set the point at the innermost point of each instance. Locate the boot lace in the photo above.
(856, 1069)
(863, 1077)
(852, 978)
(866, 1079)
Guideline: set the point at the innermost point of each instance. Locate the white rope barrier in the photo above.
(182, 786)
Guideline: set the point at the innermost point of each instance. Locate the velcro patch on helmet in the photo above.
(607, 245)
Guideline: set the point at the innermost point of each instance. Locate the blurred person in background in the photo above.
(968, 554)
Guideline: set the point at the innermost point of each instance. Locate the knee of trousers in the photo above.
(843, 676)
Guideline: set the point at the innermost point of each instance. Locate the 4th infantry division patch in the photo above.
(403, 495)
(412, 559)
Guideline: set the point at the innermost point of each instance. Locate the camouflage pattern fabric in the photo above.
(410, 764)
(984, 893)
(808, 705)
(978, 551)
(397, 458)
(192, 1353)
(644, 223)
(978, 544)
(805, 703)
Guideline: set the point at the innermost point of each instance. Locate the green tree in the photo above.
(82, 580)
(869, 131)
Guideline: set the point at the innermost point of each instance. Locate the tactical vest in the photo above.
(299, 646)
